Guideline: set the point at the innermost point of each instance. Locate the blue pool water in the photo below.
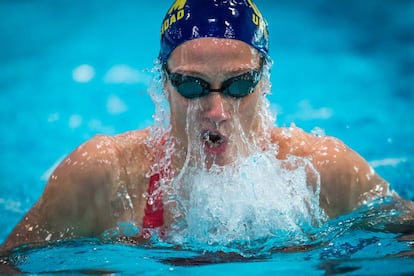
(70, 70)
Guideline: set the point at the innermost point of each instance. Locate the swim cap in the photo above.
(233, 19)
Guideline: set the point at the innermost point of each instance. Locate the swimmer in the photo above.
(214, 62)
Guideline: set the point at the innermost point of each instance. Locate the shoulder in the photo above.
(133, 144)
(346, 178)
(293, 141)
(321, 149)
(103, 163)
(85, 187)
(101, 152)
(88, 192)
(110, 152)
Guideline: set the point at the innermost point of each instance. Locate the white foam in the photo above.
(252, 202)
(244, 204)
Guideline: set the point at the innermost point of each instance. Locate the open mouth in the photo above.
(213, 139)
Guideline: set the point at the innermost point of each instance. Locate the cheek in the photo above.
(178, 109)
(249, 106)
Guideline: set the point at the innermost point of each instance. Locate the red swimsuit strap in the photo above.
(154, 210)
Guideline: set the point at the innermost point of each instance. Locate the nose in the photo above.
(215, 108)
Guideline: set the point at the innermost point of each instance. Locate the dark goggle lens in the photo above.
(188, 87)
(240, 88)
(192, 87)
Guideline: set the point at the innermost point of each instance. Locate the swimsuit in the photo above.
(154, 211)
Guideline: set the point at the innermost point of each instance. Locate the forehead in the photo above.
(214, 52)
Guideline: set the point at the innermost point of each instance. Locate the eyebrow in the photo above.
(234, 72)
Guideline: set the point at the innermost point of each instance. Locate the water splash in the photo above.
(254, 202)
(159, 140)
(248, 206)
(251, 205)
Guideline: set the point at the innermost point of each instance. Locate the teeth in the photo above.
(213, 138)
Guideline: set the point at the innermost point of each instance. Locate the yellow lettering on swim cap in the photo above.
(255, 9)
(257, 18)
(165, 26)
(180, 14)
(175, 14)
(178, 5)
(173, 19)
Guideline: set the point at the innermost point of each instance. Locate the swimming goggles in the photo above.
(193, 87)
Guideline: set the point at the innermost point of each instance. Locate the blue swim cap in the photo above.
(233, 19)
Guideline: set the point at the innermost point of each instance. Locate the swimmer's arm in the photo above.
(76, 200)
(347, 180)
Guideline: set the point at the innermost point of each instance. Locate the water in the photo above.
(353, 253)
(69, 71)
(241, 210)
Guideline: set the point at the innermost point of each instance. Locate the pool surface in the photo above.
(73, 69)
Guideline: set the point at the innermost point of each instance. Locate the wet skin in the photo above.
(102, 182)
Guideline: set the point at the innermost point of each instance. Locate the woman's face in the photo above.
(215, 128)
